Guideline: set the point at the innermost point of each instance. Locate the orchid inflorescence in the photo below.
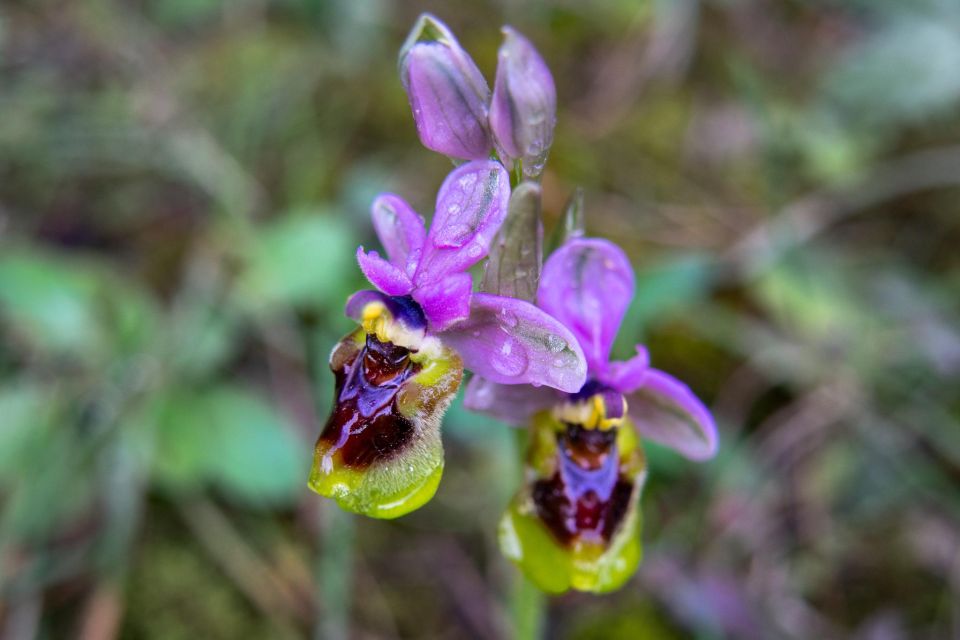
(538, 345)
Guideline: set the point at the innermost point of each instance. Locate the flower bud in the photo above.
(447, 92)
(524, 107)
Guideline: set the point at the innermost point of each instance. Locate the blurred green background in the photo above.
(183, 184)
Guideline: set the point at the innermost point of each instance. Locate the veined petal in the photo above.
(382, 274)
(513, 342)
(400, 230)
(514, 404)
(446, 301)
(447, 92)
(626, 377)
(517, 252)
(664, 410)
(587, 284)
(524, 107)
(471, 206)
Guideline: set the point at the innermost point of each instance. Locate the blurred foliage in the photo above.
(183, 184)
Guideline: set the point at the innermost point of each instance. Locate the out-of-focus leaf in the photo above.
(811, 299)
(71, 306)
(301, 260)
(514, 265)
(38, 463)
(902, 73)
(231, 439)
(24, 414)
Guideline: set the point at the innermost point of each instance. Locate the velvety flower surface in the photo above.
(454, 111)
(575, 523)
(380, 453)
(523, 110)
(448, 95)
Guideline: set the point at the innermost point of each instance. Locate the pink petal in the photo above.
(471, 206)
(666, 411)
(400, 230)
(513, 342)
(447, 301)
(382, 274)
(448, 96)
(523, 110)
(514, 404)
(587, 284)
(626, 377)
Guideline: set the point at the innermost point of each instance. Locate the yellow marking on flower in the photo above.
(589, 414)
(375, 320)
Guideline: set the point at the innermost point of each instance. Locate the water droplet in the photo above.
(476, 333)
(508, 318)
(467, 181)
(555, 343)
(475, 251)
(555, 374)
(453, 209)
(562, 363)
(453, 236)
(510, 360)
(520, 273)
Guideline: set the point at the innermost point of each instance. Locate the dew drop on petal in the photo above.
(555, 374)
(555, 343)
(508, 318)
(467, 181)
(509, 360)
(453, 236)
(475, 251)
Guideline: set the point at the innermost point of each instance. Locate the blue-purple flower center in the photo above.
(587, 497)
(365, 425)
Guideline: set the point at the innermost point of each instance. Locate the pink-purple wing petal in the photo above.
(383, 275)
(400, 230)
(664, 410)
(471, 206)
(626, 377)
(587, 284)
(446, 301)
(514, 404)
(513, 342)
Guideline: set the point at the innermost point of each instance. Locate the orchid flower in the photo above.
(576, 523)
(380, 452)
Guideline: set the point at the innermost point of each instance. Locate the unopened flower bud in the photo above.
(447, 92)
(524, 107)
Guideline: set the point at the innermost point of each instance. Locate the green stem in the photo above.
(527, 609)
(334, 573)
